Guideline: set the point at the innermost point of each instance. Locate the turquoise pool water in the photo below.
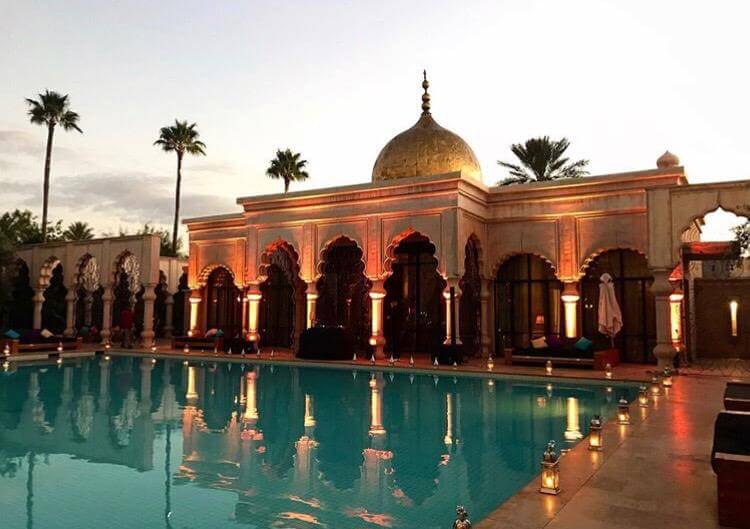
(131, 443)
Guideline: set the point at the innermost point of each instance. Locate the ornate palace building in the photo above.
(382, 258)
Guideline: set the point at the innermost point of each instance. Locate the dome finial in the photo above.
(426, 95)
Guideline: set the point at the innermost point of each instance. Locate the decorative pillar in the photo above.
(253, 312)
(570, 298)
(244, 314)
(451, 311)
(377, 338)
(38, 302)
(70, 312)
(664, 350)
(195, 301)
(169, 315)
(675, 317)
(106, 313)
(149, 295)
(312, 298)
(485, 307)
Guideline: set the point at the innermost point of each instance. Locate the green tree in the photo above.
(51, 109)
(165, 243)
(7, 273)
(288, 167)
(741, 242)
(542, 160)
(78, 231)
(21, 227)
(180, 138)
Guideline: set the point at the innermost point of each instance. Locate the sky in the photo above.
(335, 80)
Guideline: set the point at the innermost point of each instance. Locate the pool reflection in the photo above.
(294, 447)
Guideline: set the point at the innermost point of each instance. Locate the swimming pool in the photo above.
(134, 442)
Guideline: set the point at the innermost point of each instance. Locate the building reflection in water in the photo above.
(292, 446)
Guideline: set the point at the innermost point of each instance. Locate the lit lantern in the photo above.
(435, 362)
(655, 387)
(548, 368)
(391, 360)
(186, 349)
(372, 359)
(153, 347)
(623, 412)
(354, 357)
(411, 360)
(6, 350)
(596, 441)
(59, 361)
(643, 397)
(666, 380)
(59, 347)
(107, 346)
(608, 371)
(490, 363)
(550, 471)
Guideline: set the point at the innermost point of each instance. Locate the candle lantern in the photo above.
(666, 380)
(6, 350)
(391, 360)
(153, 347)
(411, 360)
(548, 367)
(643, 397)
(623, 411)
(490, 363)
(354, 357)
(608, 371)
(596, 442)
(655, 388)
(107, 346)
(186, 349)
(550, 471)
(59, 347)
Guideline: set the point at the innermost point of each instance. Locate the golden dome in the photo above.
(667, 160)
(425, 149)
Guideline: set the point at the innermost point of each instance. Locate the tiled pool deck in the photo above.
(653, 473)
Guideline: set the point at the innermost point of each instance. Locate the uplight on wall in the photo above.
(570, 302)
(733, 306)
(675, 316)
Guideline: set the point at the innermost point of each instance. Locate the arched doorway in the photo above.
(224, 303)
(178, 309)
(89, 305)
(470, 302)
(160, 304)
(343, 290)
(283, 296)
(127, 291)
(21, 313)
(632, 280)
(54, 306)
(414, 307)
(527, 302)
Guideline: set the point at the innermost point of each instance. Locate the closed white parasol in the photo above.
(610, 316)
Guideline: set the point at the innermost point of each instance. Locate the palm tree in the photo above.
(542, 160)
(51, 109)
(78, 231)
(287, 166)
(180, 138)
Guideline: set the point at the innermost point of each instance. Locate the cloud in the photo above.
(130, 198)
(20, 142)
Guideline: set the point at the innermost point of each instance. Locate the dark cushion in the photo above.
(584, 344)
(554, 342)
(12, 334)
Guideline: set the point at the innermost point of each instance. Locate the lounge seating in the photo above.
(40, 343)
(564, 353)
(737, 396)
(326, 343)
(730, 459)
(199, 342)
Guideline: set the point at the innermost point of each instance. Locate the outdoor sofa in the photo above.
(563, 352)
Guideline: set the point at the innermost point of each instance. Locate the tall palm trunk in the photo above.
(177, 202)
(45, 195)
(286, 185)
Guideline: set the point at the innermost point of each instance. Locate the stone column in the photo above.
(169, 315)
(570, 298)
(195, 300)
(70, 312)
(149, 295)
(377, 338)
(485, 298)
(106, 331)
(253, 313)
(244, 314)
(450, 312)
(664, 350)
(312, 298)
(38, 302)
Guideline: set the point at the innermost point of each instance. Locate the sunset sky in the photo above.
(336, 80)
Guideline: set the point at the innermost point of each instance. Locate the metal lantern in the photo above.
(107, 346)
(411, 360)
(59, 347)
(666, 380)
(186, 349)
(623, 411)
(596, 441)
(655, 388)
(6, 350)
(608, 371)
(391, 360)
(490, 363)
(354, 356)
(550, 471)
(548, 368)
(153, 348)
(643, 397)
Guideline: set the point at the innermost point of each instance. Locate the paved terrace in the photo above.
(655, 472)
